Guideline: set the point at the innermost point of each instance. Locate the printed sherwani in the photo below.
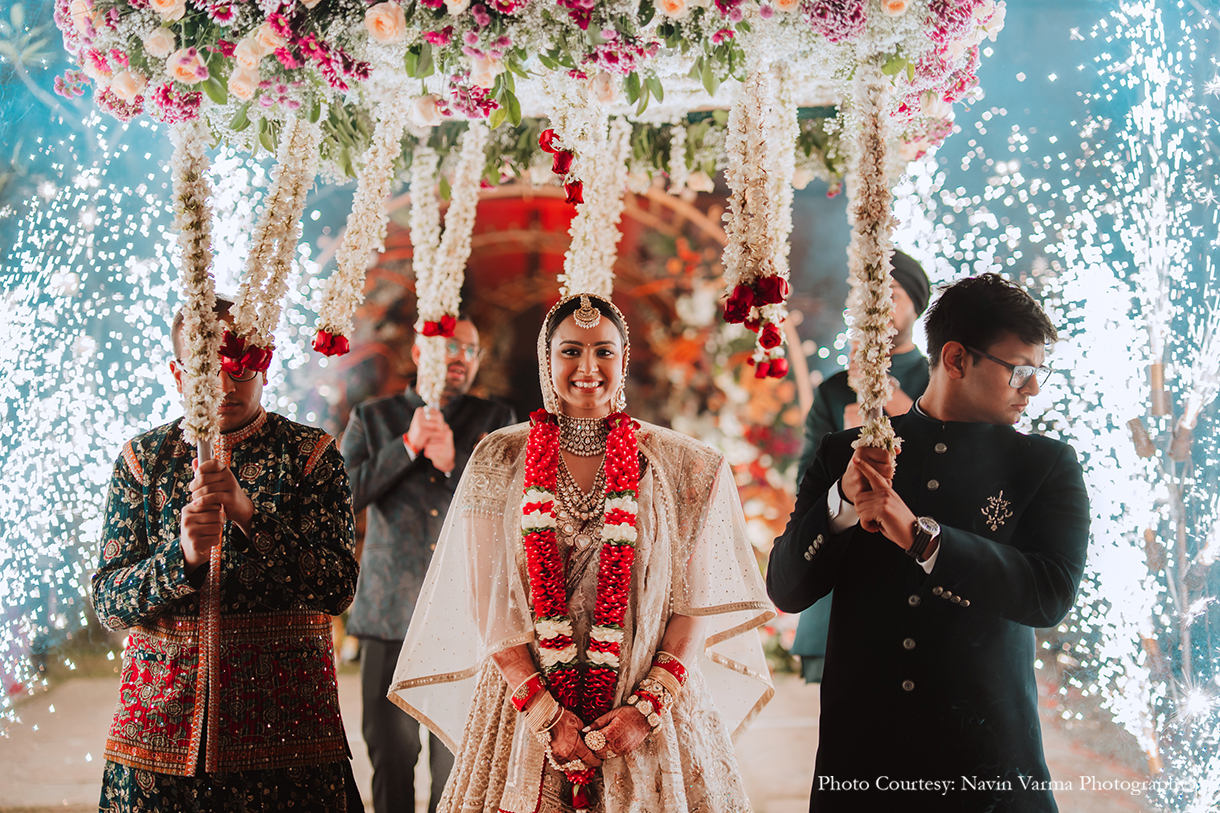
(228, 688)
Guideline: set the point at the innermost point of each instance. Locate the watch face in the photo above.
(929, 526)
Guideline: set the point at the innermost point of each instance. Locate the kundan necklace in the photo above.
(587, 689)
(583, 437)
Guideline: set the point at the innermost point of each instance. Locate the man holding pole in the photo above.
(227, 573)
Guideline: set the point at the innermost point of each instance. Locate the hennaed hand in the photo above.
(568, 744)
(624, 728)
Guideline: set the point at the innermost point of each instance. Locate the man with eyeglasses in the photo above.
(227, 573)
(942, 561)
(405, 461)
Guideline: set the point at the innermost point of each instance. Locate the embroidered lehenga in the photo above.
(692, 558)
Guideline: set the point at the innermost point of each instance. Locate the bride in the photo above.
(584, 638)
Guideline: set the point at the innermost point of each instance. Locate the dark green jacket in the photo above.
(931, 676)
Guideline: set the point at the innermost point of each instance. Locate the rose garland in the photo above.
(259, 300)
(441, 297)
(586, 690)
(200, 327)
(588, 265)
(873, 223)
(365, 231)
(755, 256)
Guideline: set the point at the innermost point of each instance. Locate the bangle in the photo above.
(671, 664)
(526, 690)
(414, 452)
(544, 714)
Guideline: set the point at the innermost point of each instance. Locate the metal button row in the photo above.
(943, 593)
(817, 543)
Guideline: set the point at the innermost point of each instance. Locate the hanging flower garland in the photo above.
(588, 265)
(755, 256)
(679, 172)
(365, 231)
(441, 297)
(578, 126)
(586, 690)
(256, 314)
(872, 224)
(424, 220)
(200, 327)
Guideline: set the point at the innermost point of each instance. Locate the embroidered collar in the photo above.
(231, 439)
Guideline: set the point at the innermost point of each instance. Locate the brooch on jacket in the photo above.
(996, 511)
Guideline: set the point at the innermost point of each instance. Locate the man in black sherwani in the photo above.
(941, 567)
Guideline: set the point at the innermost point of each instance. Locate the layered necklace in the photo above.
(587, 689)
(582, 437)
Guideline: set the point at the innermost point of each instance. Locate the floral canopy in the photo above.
(597, 95)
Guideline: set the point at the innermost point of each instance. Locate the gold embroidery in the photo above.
(996, 511)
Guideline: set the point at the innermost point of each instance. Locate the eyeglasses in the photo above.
(456, 349)
(245, 375)
(1020, 372)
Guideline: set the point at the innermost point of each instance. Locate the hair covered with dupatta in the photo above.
(562, 309)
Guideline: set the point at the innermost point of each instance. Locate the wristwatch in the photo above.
(925, 529)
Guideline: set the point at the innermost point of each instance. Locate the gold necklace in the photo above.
(583, 437)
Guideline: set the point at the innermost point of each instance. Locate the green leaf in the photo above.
(411, 60)
(427, 63)
(643, 105)
(654, 85)
(721, 117)
(547, 62)
(646, 13)
(744, 26)
(509, 83)
(894, 64)
(240, 119)
(216, 91)
(696, 70)
(446, 192)
(632, 86)
(514, 65)
(315, 112)
(514, 110)
(711, 82)
(267, 141)
(497, 117)
(910, 71)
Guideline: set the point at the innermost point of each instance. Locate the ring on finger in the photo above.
(595, 740)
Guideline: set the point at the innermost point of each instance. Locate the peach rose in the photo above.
(243, 83)
(127, 85)
(894, 8)
(424, 110)
(456, 6)
(267, 39)
(248, 53)
(484, 70)
(787, 6)
(700, 181)
(160, 43)
(80, 15)
(95, 72)
(386, 22)
(933, 106)
(169, 9)
(672, 8)
(604, 88)
(185, 66)
(801, 177)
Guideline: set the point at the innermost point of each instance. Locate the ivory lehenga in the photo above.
(692, 558)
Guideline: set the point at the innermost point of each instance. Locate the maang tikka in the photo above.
(586, 316)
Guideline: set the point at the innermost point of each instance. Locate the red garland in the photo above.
(587, 690)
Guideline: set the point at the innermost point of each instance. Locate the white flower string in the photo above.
(786, 130)
(365, 230)
(441, 297)
(578, 120)
(588, 265)
(871, 249)
(200, 326)
(678, 171)
(260, 298)
(424, 220)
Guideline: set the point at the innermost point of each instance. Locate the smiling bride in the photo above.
(584, 640)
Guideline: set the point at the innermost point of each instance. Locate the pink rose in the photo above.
(243, 83)
(248, 53)
(127, 85)
(169, 9)
(386, 22)
(456, 6)
(425, 110)
(185, 66)
(484, 70)
(160, 43)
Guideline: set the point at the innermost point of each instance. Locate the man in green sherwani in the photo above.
(227, 574)
(834, 409)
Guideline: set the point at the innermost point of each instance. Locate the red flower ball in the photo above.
(737, 308)
(778, 369)
(447, 325)
(256, 358)
(232, 345)
(770, 290)
(770, 336)
(329, 344)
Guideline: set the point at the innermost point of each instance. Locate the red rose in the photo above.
(779, 368)
(447, 325)
(562, 162)
(231, 366)
(770, 290)
(760, 369)
(576, 192)
(232, 345)
(754, 324)
(539, 416)
(770, 336)
(256, 358)
(431, 329)
(737, 308)
(545, 139)
(329, 344)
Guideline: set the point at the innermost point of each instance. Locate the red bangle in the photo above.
(672, 665)
(657, 706)
(414, 452)
(524, 693)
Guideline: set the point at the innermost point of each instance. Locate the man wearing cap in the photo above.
(834, 409)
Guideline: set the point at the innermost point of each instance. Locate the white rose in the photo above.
(605, 658)
(933, 106)
(248, 53)
(801, 177)
(243, 83)
(424, 110)
(548, 628)
(169, 9)
(604, 88)
(484, 70)
(700, 181)
(386, 22)
(268, 40)
(600, 633)
(160, 43)
(127, 85)
(456, 6)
